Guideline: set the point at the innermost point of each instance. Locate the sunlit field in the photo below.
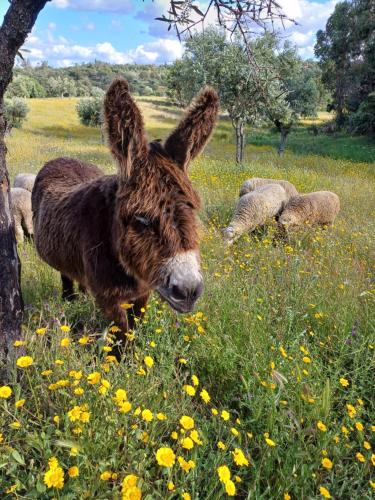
(265, 392)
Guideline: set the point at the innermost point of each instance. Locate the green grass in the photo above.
(302, 142)
(277, 328)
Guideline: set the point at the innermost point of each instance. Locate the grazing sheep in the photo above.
(23, 217)
(320, 207)
(253, 209)
(25, 181)
(256, 182)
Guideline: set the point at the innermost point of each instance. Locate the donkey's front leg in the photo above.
(136, 312)
(112, 310)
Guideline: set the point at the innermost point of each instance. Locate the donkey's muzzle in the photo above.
(181, 299)
(183, 282)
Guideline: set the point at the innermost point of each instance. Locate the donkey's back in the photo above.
(61, 191)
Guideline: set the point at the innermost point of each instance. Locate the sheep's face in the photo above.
(288, 220)
(229, 235)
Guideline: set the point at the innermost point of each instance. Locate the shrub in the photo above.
(90, 111)
(363, 121)
(15, 112)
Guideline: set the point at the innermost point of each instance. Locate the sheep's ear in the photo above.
(124, 126)
(195, 128)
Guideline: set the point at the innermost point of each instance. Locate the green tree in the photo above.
(294, 94)
(210, 59)
(346, 52)
(25, 86)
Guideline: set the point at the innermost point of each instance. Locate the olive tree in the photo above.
(17, 24)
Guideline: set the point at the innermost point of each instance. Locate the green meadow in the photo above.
(275, 368)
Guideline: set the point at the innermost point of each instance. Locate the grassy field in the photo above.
(275, 369)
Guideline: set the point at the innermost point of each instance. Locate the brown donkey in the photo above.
(121, 236)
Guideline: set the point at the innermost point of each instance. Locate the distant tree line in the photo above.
(346, 52)
(84, 80)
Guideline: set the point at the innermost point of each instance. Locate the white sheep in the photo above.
(254, 209)
(256, 182)
(22, 213)
(320, 207)
(25, 181)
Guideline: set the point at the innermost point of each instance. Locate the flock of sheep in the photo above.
(259, 201)
(264, 199)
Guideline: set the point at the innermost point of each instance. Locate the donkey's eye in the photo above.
(142, 221)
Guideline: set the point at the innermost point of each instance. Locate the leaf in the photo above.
(40, 487)
(326, 398)
(198, 11)
(17, 457)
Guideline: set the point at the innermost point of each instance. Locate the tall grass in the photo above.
(283, 340)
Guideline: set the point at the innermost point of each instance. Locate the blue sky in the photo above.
(121, 31)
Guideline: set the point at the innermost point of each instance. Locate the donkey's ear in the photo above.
(195, 128)
(124, 125)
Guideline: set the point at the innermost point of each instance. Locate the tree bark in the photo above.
(17, 24)
(239, 127)
(283, 138)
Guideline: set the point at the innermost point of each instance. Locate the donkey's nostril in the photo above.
(179, 293)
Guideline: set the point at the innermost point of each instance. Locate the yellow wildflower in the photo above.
(205, 396)
(239, 457)
(73, 471)
(225, 415)
(224, 473)
(326, 463)
(360, 457)
(270, 442)
(186, 465)
(187, 443)
(230, 488)
(344, 382)
(187, 422)
(165, 457)
(54, 478)
(94, 378)
(351, 410)
(65, 342)
(24, 361)
(65, 328)
(20, 403)
(322, 427)
(19, 343)
(5, 392)
(324, 492)
(189, 389)
(147, 415)
(148, 361)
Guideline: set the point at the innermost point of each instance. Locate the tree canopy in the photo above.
(346, 52)
(280, 87)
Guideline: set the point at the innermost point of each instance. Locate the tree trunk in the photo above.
(283, 138)
(239, 127)
(17, 24)
(10, 295)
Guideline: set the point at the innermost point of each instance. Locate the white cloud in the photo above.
(90, 26)
(123, 6)
(65, 53)
(310, 16)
